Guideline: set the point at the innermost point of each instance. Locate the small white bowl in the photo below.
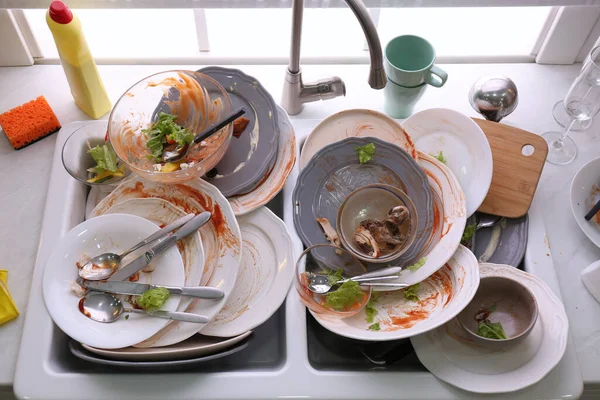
(585, 192)
(464, 145)
(109, 233)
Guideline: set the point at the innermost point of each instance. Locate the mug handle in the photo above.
(437, 76)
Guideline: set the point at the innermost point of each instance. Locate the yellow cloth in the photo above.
(8, 310)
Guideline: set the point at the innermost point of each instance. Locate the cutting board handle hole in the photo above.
(527, 150)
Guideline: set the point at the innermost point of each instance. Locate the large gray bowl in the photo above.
(334, 172)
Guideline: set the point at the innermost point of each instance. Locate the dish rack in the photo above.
(290, 356)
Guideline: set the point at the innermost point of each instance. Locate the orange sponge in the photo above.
(28, 123)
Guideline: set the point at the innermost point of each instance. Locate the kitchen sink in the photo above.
(289, 356)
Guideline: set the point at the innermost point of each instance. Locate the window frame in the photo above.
(579, 24)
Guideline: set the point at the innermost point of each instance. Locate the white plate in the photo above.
(273, 181)
(449, 222)
(194, 347)
(265, 275)
(355, 123)
(441, 297)
(465, 147)
(162, 213)
(453, 357)
(585, 192)
(110, 233)
(221, 240)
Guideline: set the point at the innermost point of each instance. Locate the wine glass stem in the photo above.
(567, 130)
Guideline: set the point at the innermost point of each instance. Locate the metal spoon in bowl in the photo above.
(320, 283)
(102, 266)
(181, 151)
(104, 307)
(105, 265)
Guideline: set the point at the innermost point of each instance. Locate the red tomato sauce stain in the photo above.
(83, 310)
(410, 319)
(420, 312)
(218, 220)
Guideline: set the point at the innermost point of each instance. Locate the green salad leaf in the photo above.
(417, 265)
(410, 293)
(440, 157)
(345, 296)
(468, 233)
(370, 310)
(105, 158)
(375, 327)
(334, 277)
(163, 131)
(365, 153)
(153, 299)
(491, 330)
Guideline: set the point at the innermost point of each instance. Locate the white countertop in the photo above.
(25, 172)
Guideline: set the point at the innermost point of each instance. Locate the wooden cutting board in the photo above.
(516, 175)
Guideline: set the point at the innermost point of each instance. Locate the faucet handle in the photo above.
(377, 78)
(328, 88)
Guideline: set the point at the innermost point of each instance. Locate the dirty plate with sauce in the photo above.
(221, 239)
(109, 233)
(273, 181)
(265, 276)
(404, 313)
(335, 171)
(451, 355)
(355, 123)
(449, 221)
(463, 145)
(585, 192)
(253, 148)
(162, 213)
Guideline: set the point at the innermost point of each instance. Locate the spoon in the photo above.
(104, 307)
(181, 151)
(105, 267)
(489, 222)
(105, 264)
(320, 283)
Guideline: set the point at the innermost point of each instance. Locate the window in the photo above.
(262, 35)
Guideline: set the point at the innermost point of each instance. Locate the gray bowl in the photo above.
(514, 306)
(334, 172)
(373, 201)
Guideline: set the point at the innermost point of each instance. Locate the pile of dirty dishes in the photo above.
(358, 168)
(244, 251)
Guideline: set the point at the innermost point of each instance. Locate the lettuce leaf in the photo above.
(365, 153)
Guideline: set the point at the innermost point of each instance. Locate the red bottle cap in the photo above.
(60, 13)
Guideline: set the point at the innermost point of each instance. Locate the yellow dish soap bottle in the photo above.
(77, 61)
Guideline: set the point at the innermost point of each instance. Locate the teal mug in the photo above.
(409, 62)
(399, 101)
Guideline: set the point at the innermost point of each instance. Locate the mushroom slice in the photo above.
(366, 241)
(330, 233)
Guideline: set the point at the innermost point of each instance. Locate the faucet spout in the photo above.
(377, 77)
(295, 92)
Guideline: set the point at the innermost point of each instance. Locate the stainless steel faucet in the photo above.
(296, 93)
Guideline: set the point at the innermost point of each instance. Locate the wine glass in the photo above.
(582, 102)
(560, 114)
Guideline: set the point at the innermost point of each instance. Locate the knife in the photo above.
(119, 287)
(190, 227)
